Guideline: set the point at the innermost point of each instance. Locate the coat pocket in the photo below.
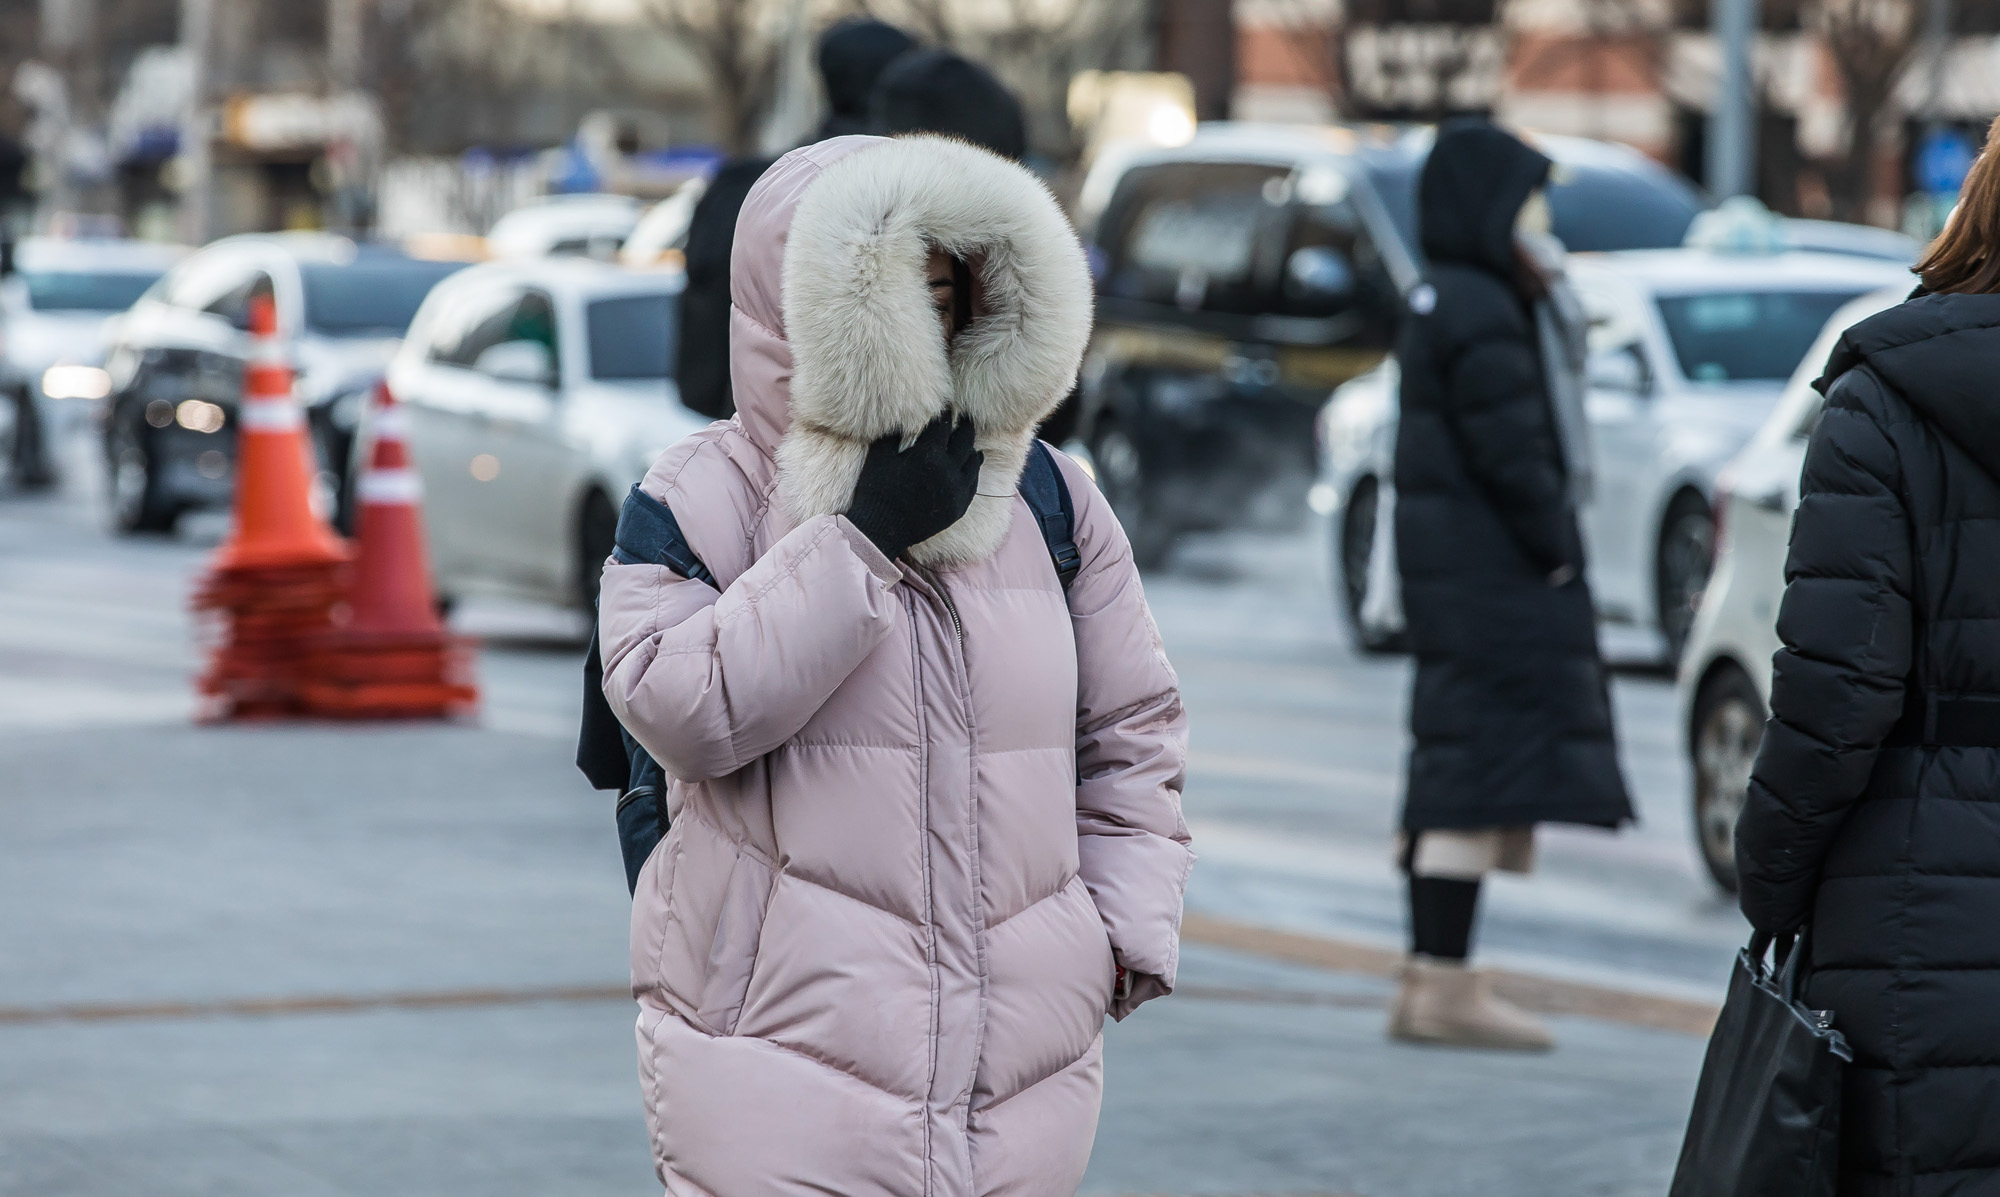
(732, 950)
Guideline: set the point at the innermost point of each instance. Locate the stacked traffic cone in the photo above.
(275, 582)
(390, 657)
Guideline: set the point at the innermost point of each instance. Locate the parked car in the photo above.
(591, 225)
(537, 393)
(1243, 275)
(660, 237)
(1689, 353)
(176, 362)
(1725, 676)
(54, 301)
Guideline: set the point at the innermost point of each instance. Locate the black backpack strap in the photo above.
(648, 534)
(610, 758)
(1047, 494)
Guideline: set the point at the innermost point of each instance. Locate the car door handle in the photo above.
(1770, 500)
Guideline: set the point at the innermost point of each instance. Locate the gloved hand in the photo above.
(909, 495)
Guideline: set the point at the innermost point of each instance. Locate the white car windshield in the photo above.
(1746, 336)
(631, 337)
(86, 290)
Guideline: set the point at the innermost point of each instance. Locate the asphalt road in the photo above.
(342, 960)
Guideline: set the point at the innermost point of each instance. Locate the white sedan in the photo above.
(1689, 351)
(1725, 675)
(537, 393)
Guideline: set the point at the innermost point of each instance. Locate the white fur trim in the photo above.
(868, 360)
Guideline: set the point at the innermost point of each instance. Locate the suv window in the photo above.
(206, 278)
(1203, 236)
(631, 336)
(233, 305)
(480, 321)
(1332, 265)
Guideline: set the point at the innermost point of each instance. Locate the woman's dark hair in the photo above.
(1966, 256)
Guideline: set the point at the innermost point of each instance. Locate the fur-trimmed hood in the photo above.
(834, 342)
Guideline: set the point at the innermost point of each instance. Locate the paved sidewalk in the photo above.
(447, 903)
(318, 961)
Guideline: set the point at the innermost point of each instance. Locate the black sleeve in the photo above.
(1506, 437)
(1837, 687)
(702, 356)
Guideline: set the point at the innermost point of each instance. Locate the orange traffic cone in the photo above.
(274, 583)
(391, 658)
(274, 524)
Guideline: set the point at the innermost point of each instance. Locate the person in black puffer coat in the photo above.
(852, 56)
(1510, 711)
(1873, 811)
(937, 91)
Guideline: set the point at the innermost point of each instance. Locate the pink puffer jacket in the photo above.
(919, 811)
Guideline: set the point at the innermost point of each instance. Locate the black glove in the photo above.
(909, 495)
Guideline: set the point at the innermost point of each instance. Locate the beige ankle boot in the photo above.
(1444, 1002)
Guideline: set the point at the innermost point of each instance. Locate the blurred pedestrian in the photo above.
(1874, 807)
(1511, 711)
(937, 91)
(926, 823)
(852, 55)
(701, 350)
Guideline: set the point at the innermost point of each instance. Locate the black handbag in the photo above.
(1766, 1119)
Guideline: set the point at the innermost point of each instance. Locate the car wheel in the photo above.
(1121, 474)
(1354, 548)
(597, 534)
(1728, 728)
(1686, 555)
(138, 504)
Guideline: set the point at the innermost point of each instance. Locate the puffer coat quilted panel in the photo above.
(1881, 834)
(921, 815)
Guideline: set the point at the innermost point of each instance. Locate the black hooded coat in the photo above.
(1874, 806)
(937, 91)
(702, 349)
(1510, 713)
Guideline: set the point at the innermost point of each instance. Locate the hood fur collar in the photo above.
(867, 357)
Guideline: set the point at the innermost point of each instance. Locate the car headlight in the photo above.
(198, 415)
(75, 382)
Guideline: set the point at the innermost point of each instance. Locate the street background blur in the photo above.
(371, 957)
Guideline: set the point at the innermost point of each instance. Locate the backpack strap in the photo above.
(1047, 494)
(648, 534)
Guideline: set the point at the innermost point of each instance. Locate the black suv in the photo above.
(1243, 276)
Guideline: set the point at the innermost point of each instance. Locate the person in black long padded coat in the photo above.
(1510, 711)
(852, 56)
(1874, 807)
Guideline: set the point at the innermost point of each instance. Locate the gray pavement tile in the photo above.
(1231, 1097)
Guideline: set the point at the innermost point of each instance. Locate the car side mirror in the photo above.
(1622, 370)
(1320, 273)
(527, 362)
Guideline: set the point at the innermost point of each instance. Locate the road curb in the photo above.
(1545, 995)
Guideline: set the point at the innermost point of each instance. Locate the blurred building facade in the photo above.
(1847, 88)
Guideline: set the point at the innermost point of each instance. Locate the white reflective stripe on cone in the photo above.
(271, 415)
(389, 423)
(389, 486)
(268, 352)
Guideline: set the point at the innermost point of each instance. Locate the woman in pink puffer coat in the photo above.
(926, 812)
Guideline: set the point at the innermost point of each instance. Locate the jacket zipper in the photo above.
(951, 608)
(963, 676)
